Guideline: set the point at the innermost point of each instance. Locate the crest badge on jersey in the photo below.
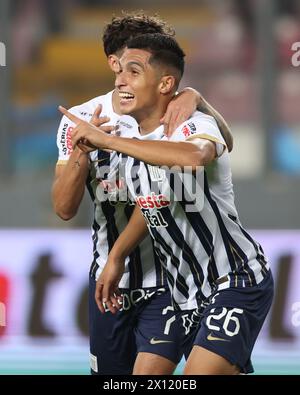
(189, 129)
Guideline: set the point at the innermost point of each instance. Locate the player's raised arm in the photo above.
(87, 134)
(107, 284)
(184, 104)
(71, 173)
(159, 153)
(208, 109)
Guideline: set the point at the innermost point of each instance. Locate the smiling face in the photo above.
(141, 85)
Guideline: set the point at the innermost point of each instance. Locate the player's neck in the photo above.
(149, 119)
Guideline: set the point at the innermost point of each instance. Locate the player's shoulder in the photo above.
(199, 117)
(199, 122)
(88, 108)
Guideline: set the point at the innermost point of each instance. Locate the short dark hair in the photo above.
(164, 49)
(130, 24)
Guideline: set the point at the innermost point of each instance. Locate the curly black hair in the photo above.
(130, 24)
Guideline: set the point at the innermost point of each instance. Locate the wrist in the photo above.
(79, 158)
(198, 97)
(78, 153)
(117, 255)
(109, 142)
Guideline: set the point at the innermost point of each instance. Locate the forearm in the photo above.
(158, 153)
(68, 187)
(134, 233)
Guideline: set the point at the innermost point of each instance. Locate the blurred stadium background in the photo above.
(239, 57)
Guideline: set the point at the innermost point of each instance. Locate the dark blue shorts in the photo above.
(231, 321)
(147, 323)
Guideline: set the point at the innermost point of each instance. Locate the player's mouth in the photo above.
(125, 97)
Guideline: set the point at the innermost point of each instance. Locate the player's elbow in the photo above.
(204, 153)
(198, 159)
(64, 213)
(65, 216)
(195, 161)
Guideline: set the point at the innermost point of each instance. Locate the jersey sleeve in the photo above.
(204, 127)
(63, 140)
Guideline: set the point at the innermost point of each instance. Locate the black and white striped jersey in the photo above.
(193, 220)
(143, 268)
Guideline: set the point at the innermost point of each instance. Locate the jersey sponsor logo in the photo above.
(154, 341)
(214, 338)
(189, 129)
(192, 126)
(125, 124)
(65, 140)
(152, 201)
(84, 114)
(155, 220)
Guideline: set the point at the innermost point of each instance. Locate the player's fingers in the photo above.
(83, 147)
(97, 112)
(99, 121)
(119, 297)
(71, 117)
(75, 138)
(115, 302)
(108, 298)
(175, 122)
(108, 129)
(170, 130)
(175, 115)
(166, 127)
(109, 305)
(98, 297)
(165, 120)
(78, 137)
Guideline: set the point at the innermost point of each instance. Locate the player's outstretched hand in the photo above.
(98, 121)
(107, 293)
(87, 134)
(180, 110)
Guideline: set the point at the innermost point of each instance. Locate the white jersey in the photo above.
(143, 268)
(199, 237)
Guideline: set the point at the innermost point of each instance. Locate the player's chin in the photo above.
(127, 107)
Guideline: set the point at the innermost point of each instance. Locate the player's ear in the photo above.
(114, 63)
(167, 84)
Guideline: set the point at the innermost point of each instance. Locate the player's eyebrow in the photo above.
(135, 63)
